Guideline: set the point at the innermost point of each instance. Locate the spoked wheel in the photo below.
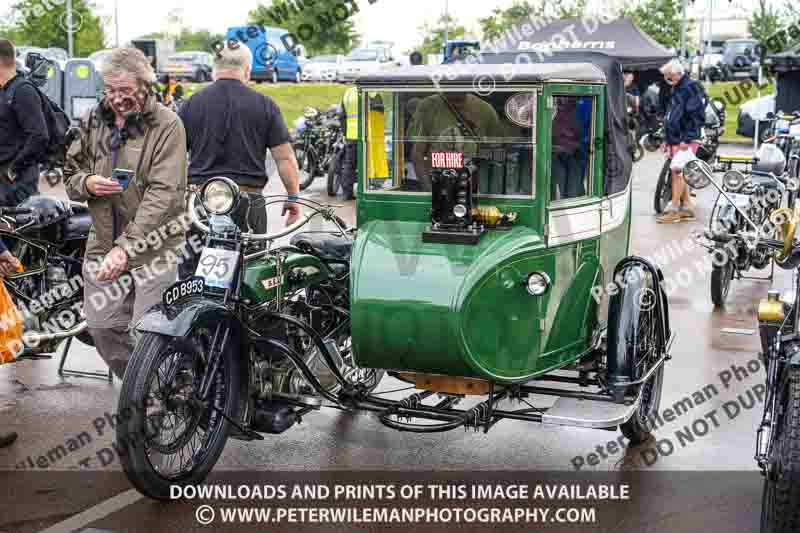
(780, 509)
(663, 193)
(721, 276)
(335, 175)
(167, 436)
(641, 339)
(306, 166)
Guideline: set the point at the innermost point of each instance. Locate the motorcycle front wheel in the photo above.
(663, 193)
(780, 508)
(721, 276)
(166, 436)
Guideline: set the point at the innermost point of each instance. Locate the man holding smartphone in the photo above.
(229, 128)
(129, 165)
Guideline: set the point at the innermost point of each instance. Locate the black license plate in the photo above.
(183, 289)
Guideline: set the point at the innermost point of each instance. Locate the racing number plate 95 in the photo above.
(182, 289)
(217, 267)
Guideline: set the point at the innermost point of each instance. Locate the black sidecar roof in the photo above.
(503, 73)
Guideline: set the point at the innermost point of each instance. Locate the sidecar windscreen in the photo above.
(410, 133)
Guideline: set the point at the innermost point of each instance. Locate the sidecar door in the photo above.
(572, 152)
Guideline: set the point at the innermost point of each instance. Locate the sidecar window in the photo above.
(406, 133)
(571, 155)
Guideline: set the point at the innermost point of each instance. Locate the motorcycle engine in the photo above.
(276, 375)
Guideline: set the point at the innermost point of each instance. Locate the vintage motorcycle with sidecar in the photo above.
(778, 435)
(489, 270)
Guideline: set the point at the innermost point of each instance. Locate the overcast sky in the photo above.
(390, 20)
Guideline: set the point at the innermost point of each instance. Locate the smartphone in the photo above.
(123, 176)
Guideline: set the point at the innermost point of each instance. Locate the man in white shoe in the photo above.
(683, 125)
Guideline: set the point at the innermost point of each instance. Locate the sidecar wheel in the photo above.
(159, 383)
(633, 344)
(780, 509)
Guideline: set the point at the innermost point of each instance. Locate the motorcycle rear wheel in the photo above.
(145, 415)
(780, 508)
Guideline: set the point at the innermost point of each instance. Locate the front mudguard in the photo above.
(177, 320)
(637, 292)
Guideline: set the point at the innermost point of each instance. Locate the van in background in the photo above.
(275, 56)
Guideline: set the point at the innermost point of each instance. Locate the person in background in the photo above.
(229, 128)
(8, 264)
(683, 124)
(456, 121)
(23, 131)
(567, 171)
(350, 163)
(633, 92)
(128, 130)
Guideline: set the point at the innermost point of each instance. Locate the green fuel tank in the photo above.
(300, 271)
(464, 310)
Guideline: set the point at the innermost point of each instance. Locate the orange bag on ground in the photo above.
(10, 326)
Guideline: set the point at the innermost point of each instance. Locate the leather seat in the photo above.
(325, 245)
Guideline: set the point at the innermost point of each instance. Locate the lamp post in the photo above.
(70, 44)
(446, 20)
(116, 23)
(683, 31)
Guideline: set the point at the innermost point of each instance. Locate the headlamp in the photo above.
(537, 283)
(733, 180)
(219, 196)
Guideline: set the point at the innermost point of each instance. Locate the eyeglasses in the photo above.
(121, 91)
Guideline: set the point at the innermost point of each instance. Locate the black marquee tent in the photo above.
(786, 65)
(620, 38)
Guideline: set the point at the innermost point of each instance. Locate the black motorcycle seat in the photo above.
(77, 225)
(325, 245)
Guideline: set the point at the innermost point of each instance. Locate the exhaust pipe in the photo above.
(35, 338)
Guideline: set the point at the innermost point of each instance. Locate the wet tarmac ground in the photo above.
(711, 406)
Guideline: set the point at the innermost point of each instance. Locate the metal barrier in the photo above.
(82, 85)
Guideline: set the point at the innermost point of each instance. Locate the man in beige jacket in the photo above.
(136, 224)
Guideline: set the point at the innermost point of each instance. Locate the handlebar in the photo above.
(11, 211)
(251, 236)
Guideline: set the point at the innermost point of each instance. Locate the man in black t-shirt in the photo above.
(229, 128)
(23, 131)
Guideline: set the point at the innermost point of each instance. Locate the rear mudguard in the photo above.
(176, 321)
(623, 315)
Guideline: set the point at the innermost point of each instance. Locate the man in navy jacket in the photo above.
(683, 126)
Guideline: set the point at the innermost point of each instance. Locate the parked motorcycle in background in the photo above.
(48, 236)
(315, 143)
(752, 194)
